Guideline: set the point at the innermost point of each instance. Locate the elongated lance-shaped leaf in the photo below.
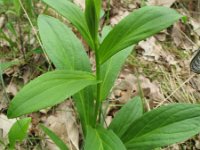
(163, 126)
(102, 139)
(92, 15)
(131, 111)
(110, 71)
(61, 45)
(75, 15)
(137, 26)
(48, 90)
(84, 101)
(67, 52)
(111, 68)
(54, 138)
(18, 131)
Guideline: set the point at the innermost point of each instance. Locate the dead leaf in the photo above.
(181, 40)
(152, 50)
(6, 124)
(12, 88)
(63, 123)
(166, 3)
(161, 36)
(116, 19)
(80, 3)
(128, 88)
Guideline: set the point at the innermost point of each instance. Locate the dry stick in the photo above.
(175, 90)
(35, 32)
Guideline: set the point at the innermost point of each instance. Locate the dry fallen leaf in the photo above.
(128, 88)
(80, 3)
(116, 19)
(12, 88)
(153, 51)
(166, 3)
(161, 36)
(196, 26)
(181, 40)
(6, 124)
(63, 123)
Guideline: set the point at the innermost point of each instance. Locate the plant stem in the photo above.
(98, 78)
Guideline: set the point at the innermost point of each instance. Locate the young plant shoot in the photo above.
(73, 77)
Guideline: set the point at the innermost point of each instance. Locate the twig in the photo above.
(175, 90)
(35, 32)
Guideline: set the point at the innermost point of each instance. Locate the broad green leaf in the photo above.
(137, 26)
(54, 138)
(48, 90)
(67, 52)
(92, 15)
(131, 111)
(74, 14)
(110, 71)
(163, 126)
(18, 131)
(111, 68)
(61, 45)
(102, 139)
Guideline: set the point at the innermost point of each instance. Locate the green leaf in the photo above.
(54, 138)
(18, 131)
(17, 7)
(163, 126)
(29, 6)
(131, 111)
(48, 90)
(137, 26)
(102, 139)
(92, 15)
(84, 101)
(1, 2)
(61, 45)
(111, 68)
(11, 28)
(74, 14)
(67, 52)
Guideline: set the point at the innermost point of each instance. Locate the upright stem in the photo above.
(98, 78)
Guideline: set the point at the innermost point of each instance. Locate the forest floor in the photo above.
(160, 65)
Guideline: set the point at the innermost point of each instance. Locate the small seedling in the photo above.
(130, 129)
(18, 132)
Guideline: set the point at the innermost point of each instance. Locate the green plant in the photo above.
(18, 131)
(130, 129)
(54, 137)
(13, 31)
